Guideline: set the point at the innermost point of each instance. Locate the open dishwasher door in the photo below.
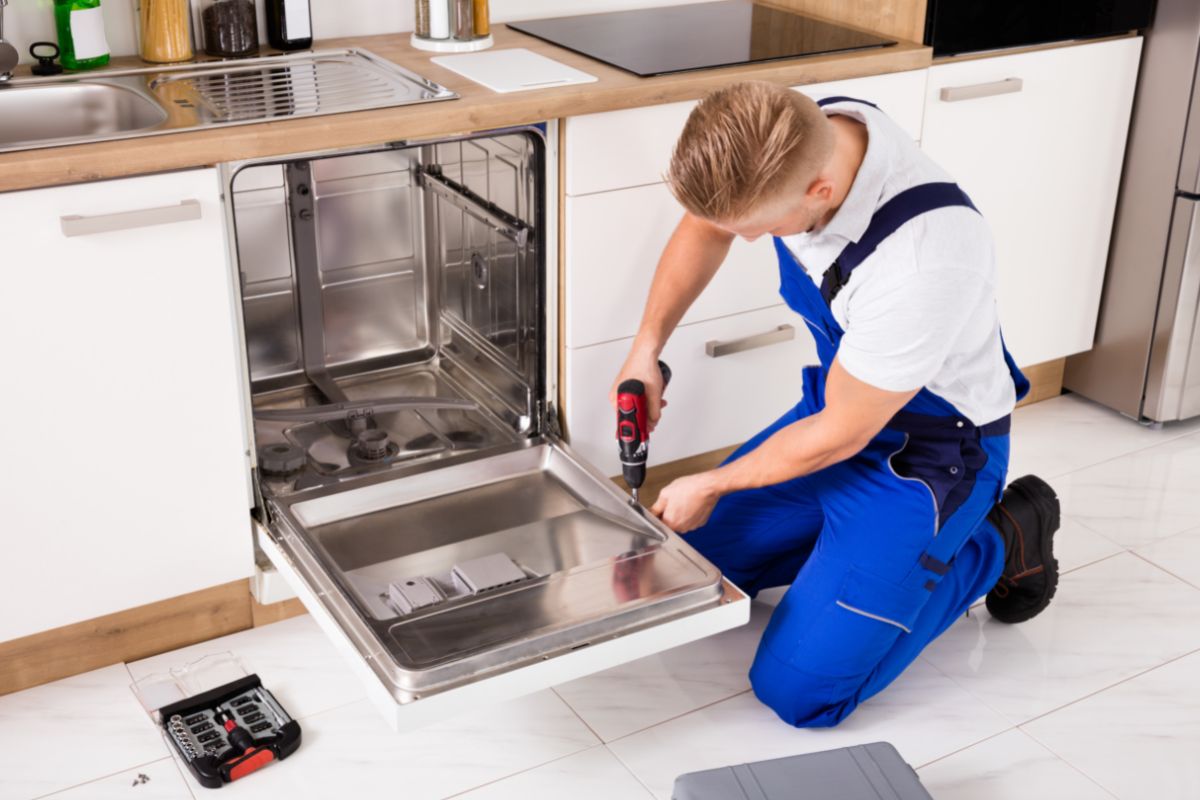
(492, 578)
(399, 324)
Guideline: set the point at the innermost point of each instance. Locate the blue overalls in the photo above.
(883, 551)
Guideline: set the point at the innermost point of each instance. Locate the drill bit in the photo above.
(635, 497)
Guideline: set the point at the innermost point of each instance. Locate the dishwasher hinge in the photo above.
(549, 414)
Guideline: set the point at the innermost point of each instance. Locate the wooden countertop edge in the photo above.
(476, 109)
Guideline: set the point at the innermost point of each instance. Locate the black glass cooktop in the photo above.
(656, 41)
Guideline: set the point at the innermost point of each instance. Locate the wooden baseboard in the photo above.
(134, 634)
(275, 612)
(1045, 381)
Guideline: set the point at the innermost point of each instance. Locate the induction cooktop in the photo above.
(658, 41)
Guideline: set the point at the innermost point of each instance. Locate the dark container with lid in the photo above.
(229, 28)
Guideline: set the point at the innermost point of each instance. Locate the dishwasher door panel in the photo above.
(600, 581)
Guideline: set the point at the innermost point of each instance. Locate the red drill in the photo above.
(633, 429)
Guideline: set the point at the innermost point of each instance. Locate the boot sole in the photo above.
(1042, 497)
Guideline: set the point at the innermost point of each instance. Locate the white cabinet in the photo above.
(632, 147)
(619, 216)
(615, 239)
(124, 475)
(713, 400)
(1037, 140)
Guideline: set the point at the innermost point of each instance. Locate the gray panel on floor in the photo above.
(864, 772)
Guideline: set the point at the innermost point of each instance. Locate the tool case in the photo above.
(863, 772)
(223, 723)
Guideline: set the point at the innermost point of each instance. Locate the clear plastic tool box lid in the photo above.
(160, 689)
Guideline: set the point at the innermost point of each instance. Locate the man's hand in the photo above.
(685, 503)
(642, 365)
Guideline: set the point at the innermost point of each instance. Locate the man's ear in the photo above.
(820, 190)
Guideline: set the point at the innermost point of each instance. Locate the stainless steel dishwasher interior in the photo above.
(401, 274)
(124, 103)
(395, 323)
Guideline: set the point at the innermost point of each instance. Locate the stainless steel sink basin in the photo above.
(118, 104)
(50, 113)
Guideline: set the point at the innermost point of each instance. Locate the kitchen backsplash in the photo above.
(28, 21)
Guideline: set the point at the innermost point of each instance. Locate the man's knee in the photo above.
(799, 698)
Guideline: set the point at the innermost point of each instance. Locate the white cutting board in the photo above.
(514, 70)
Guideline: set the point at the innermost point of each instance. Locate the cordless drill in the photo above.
(633, 429)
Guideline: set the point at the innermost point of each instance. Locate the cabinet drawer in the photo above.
(1038, 140)
(714, 402)
(614, 240)
(632, 147)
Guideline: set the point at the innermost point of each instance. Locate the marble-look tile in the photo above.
(1109, 621)
(648, 691)
(294, 659)
(771, 597)
(1140, 497)
(72, 731)
(594, 774)
(1076, 545)
(1140, 739)
(924, 714)
(1178, 555)
(1067, 433)
(163, 782)
(350, 752)
(1007, 766)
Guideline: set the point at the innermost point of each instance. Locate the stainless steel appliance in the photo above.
(400, 322)
(1146, 359)
(658, 41)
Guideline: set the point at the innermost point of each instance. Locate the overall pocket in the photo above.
(947, 467)
(856, 630)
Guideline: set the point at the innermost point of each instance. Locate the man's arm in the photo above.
(854, 413)
(691, 258)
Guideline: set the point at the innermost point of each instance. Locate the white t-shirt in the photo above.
(921, 310)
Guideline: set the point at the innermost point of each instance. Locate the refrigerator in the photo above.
(1146, 358)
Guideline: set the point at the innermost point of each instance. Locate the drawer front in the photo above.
(118, 319)
(1048, 191)
(714, 401)
(632, 147)
(614, 240)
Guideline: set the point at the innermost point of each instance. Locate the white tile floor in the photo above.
(1097, 698)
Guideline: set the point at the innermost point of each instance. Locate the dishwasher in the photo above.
(400, 322)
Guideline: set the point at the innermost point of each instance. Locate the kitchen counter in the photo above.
(477, 108)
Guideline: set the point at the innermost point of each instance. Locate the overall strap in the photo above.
(910, 203)
(825, 101)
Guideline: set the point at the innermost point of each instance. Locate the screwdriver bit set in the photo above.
(230, 731)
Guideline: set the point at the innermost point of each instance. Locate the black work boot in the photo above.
(1027, 518)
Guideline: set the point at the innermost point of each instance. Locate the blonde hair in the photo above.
(743, 144)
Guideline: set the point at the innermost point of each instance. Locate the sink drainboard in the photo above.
(315, 84)
(147, 101)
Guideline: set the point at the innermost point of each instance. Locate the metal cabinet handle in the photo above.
(952, 94)
(717, 348)
(76, 225)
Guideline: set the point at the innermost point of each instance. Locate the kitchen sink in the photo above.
(119, 104)
(72, 111)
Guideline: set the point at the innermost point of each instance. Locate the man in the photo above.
(879, 497)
